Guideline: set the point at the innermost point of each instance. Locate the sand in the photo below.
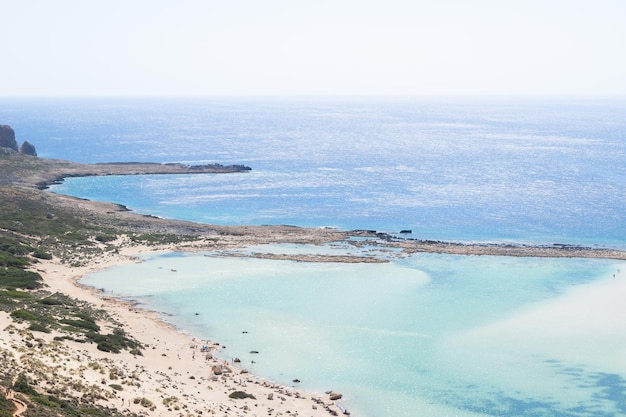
(561, 347)
(174, 374)
(583, 326)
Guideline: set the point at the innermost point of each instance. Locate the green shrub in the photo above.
(14, 247)
(81, 324)
(24, 315)
(7, 301)
(7, 259)
(38, 327)
(144, 402)
(169, 401)
(20, 295)
(22, 385)
(114, 342)
(40, 254)
(240, 395)
(50, 301)
(107, 346)
(86, 317)
(6, 407)
(48, 401)
(106, 238)
(12, 277)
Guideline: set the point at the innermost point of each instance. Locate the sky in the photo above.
(312, 47)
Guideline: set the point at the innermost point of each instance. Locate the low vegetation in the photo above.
(240, 395)
(6, 407)
(36, 226)
(54, 405)
(144, 402)
(33, 227)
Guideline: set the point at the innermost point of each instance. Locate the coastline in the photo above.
(588, 305)
(173, 366)
(188, 384)
(34, 173)
(172, 377)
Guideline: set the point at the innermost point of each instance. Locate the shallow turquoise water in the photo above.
(417, 336)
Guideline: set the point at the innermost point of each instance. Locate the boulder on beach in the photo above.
(334, 396)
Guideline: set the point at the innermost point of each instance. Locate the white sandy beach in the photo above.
(174, 374)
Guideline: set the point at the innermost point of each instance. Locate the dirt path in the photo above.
(20, 406)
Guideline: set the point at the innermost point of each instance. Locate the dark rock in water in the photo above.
(7, 137)
(28, 149)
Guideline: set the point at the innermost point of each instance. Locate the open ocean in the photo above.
(426, 335)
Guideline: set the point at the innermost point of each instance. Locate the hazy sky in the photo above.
(207, 47)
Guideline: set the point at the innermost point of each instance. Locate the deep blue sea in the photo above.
(423, 335)
(524, 170)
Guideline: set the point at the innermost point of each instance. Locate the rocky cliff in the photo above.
(7, 138)
(7, 141)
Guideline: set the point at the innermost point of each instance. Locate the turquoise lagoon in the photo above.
(424, 335)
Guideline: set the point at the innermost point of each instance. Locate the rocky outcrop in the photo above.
(28, 149)
(7, 141)
(7, 137)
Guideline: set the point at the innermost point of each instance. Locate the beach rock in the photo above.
(7, 137)
(28, 149)
(334, 396)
